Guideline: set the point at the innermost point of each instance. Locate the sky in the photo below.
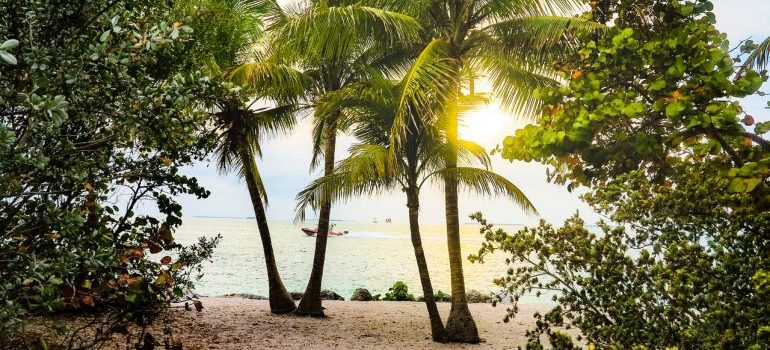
(285, 165)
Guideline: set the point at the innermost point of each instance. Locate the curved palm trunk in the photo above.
(437, 329)
(460, 324)
(280, 299)
(310, 305)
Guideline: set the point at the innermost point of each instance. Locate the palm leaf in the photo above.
(514, 85)
(539, 38)
(759, 59)
(496, 10)
(368, 171)
(487, 183)
(334, 32)
(427, 85)
(270, 79)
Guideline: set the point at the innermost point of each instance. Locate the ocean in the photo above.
(371, 256)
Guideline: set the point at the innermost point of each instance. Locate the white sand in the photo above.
(233, 323)
(240, 324)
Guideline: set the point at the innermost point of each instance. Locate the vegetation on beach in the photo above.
(336, 45)
(103, 102)
(650, 124)
(241, 128)
(399, 292)
(97, 102)
(377, 164)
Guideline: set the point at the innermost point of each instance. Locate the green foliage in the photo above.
(685, 267)
(441, 297)
(5, 47)
(399, 292)
(655, 92)
(96, 115)
(648, 120)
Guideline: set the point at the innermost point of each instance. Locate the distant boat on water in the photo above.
(388, 220)
(314, 232)
(374, 220)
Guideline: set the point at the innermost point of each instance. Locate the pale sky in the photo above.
(285, 164)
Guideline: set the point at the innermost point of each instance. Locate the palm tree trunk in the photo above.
(310, 305)
(460, 324)
(436, 325)
(280, 299)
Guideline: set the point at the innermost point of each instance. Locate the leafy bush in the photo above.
(649, 121)
(96, 119)
(681, 269)
(399, 292)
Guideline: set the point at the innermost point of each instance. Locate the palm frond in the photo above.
(274, 121)
(334, 32)
(541, 37)
(467, 104)
(513, 85)
(487, 183)
(273, 13)
(472, 153)
(369, 170)
(429, 83)
(241, 133)
(433, 155)
(759, 59)
(505, 9)
(278, 81)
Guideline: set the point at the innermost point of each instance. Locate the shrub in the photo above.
(649, 121)
(97, 116)
(399, 292)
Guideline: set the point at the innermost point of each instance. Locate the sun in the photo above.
(487, 126)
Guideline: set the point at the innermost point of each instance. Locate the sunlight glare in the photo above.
(487, 126)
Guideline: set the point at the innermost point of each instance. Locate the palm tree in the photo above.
(513, 44)
(336, 44)
(239, 145)
(377, 165)
(229, 28)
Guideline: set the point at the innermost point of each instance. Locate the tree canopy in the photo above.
(98, 112)
(650, 123)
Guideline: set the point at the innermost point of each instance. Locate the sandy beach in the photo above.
(236, 323)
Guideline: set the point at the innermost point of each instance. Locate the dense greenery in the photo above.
(102, 102)
(97, 117)
(649, 122)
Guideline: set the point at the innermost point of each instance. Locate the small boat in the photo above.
(313, 232)
(388, 220)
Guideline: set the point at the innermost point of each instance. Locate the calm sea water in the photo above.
(372, 256)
